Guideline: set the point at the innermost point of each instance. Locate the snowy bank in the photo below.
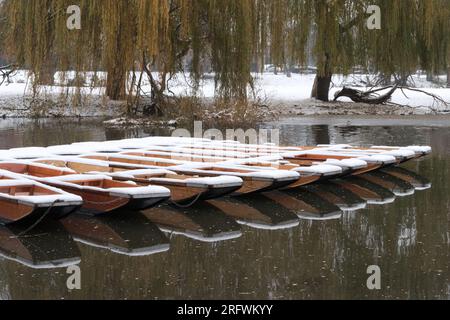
(286, 96)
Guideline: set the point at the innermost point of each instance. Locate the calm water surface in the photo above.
(314, 243)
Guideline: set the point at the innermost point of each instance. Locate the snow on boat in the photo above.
(350, 163)
(101, 194)
(24, 199)
(306, 175)
(184, 189)
(37, 170)
(255, 179)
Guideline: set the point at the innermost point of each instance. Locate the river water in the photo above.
(313, 243)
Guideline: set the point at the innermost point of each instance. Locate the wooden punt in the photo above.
(351, 164)
(27, 200)
(101, 194)
(255, 179)
(184, 189)
(48, 245)
(307, 174)
(124, 232)
(397, 151)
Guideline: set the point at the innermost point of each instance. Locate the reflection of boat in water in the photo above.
(306, 204)
(370, 192)
(417, 181)
(399, 187)
(128, 233)
(202, 222)
(46, 246)
(258, 212)
(341, 197)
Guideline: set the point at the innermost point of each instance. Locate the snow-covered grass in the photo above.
(277, 88)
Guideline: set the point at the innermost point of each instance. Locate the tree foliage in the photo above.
(122, 35)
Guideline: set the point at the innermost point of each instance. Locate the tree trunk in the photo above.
(448, 77)
(115, 84)
(46, 75)
(321, 88)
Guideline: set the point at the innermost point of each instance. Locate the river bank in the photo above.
(281, 96)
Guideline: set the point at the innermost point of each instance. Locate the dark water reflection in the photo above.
(314, 243)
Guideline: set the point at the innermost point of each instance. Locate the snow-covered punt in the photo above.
(102, 194)
(255, 179)
(309, 173)
(350, 163)
(23, 199)
(185, 189)
(32, 169)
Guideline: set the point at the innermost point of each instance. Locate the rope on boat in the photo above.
(184, 206)
(34, 225)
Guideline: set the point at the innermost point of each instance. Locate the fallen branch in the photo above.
(371, 96)
(6, 72)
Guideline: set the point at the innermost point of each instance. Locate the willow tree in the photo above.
(38, 36)
(120, 36)
(413, 34)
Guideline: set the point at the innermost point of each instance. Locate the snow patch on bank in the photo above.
(288, 95)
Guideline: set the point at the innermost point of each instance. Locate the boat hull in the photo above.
(28, 214)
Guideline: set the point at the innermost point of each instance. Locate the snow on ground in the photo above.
(286, 92)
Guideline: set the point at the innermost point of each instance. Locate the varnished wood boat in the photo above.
(307, 174)
(185, 189)
(27, 200)
(101, 194)
(255, 179)
(350, 163)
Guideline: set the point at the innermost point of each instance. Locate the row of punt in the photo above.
(51, 244)
(137, 174)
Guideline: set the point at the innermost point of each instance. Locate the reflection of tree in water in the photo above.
(4, 287)
(321, 134)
